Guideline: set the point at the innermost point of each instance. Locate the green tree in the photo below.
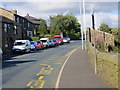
(57, 31)
(42, 30)
(116, 33)
(64, 24)
(105, 28)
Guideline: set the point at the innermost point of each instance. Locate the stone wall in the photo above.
(101, 38)
(107, 66)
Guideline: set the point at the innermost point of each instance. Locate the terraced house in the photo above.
(15, 27)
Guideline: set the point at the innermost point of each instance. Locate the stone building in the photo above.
(15, 27)
(34, 24)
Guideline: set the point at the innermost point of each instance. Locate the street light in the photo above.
(81, 25)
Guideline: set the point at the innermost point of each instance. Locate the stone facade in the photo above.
(101, 37)
(15, 27)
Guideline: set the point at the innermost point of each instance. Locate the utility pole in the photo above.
(93, 26)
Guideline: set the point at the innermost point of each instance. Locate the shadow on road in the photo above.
(14, 63)
(13, 56)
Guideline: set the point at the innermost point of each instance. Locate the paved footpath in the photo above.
(78, 73)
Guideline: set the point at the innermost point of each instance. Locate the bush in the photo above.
(100, 47)
(35, 38)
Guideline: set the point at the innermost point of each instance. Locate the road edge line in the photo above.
(61, 70)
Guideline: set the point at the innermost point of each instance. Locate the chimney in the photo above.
(27, 14)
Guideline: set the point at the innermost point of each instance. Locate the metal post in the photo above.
(84, 22)
(81, 26)
(93, 26)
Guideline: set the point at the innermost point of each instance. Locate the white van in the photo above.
(45, 42)
(21, 46)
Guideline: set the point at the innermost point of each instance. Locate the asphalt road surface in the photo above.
(37, 69)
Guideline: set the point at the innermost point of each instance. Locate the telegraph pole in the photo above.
(93, 26)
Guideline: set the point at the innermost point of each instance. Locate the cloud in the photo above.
(101, 18)
(104, 11)
(59, 0)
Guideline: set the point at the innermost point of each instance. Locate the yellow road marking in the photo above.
(41, 86)
(45, 71)
(41, 77)
(29, 83)
(44, 64)
(58, 63)
(36, 84)
(31, 86)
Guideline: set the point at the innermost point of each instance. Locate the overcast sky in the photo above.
(105, 12)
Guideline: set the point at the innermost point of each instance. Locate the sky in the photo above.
(105, 11)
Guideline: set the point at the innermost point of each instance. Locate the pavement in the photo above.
(78, 73)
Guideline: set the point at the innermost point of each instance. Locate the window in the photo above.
(18, 19)
(15, 29)
(36, 26)
(28, 24)
(6, 42)
(29, 33)
(8, 26)
(23, 21)
(5, 27)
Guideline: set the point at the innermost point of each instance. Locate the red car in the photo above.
(59, 39)
(40, 44)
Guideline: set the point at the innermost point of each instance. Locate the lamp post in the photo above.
(81, 25)
(84, 23)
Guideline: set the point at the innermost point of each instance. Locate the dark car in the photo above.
(55, 42)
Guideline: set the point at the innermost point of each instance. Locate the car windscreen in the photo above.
(44, 41)
(19, 43)
(57, 37)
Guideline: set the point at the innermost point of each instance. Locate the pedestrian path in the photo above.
(78, 73)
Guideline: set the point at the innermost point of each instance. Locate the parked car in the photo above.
(40, 44)
(1, 54)
(21, 46)
(66, 40)
(55, 42)
(34, 46)
(45, 42)
(51, 44)
(59, 38)
(1, 51)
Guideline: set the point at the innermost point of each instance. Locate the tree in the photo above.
(116, 33)
(57, 31)
(105, 28)
(64, 24)
(42, 30)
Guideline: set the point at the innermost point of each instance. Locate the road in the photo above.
(37, 69)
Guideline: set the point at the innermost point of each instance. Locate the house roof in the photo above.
(32, 19)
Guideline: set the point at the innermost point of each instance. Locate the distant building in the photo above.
(35, 24)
